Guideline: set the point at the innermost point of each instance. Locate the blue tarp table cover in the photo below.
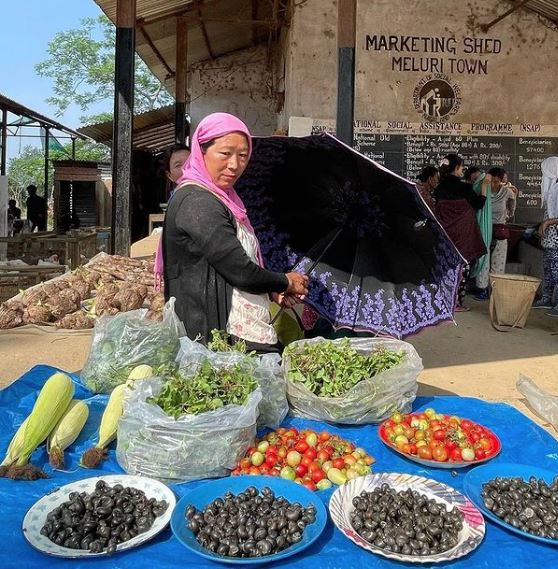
(523, 441)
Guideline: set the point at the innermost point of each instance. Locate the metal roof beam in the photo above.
(153, 47)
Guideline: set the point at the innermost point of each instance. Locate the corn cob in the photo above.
(16, 444)
(66, 432)
(141, 372)
(53, 400)
(107, 430)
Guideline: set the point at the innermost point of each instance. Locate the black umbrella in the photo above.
(377, 258)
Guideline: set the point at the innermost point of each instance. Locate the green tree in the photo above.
(29, 166)
(81, 65)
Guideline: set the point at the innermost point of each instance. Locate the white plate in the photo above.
(470, 537)
(36, 516)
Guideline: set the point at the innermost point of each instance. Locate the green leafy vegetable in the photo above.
(222, 342)
(208, 389)
(331, 369)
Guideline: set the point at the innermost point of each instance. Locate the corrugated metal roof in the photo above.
(208, 38)
(546, 8)
(22, 111)
(153, 130)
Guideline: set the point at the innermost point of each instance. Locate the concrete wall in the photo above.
(241, 83)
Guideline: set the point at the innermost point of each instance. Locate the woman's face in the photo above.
(176, 162)
(458, 171)
(434, 180)
(226, 159)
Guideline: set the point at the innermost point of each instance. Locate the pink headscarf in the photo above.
(194, 171)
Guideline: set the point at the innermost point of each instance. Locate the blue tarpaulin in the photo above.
(523, 442)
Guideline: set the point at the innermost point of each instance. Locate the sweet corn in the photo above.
(53, 400)
(108, 428)
(66, 431)
(141, 372)
(16, 445)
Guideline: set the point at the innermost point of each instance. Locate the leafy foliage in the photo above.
(331, 369)
(81, 64)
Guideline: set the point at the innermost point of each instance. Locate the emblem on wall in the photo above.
(436, 97)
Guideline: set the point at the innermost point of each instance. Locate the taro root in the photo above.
(78, 320)
(14, 304)
(91, 276)
(60, 305)
(10, 318)
(78, 284)
(34, 295)
(128, 299)
(157, 303)
(38, 314)
(108, 289)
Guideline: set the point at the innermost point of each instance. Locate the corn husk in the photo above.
(142, 371)
(16, 445)
(107, 429)
(66, 432)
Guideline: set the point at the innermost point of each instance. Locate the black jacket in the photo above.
(454, 188)
(204, 260)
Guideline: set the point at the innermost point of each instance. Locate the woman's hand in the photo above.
(543, 227)
(285, 300)
(298, 285)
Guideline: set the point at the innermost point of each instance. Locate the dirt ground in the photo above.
(469, 358)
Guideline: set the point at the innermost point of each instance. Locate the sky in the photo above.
(23, 46)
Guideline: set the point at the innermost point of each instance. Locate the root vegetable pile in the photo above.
(250, 524)
(331, 369)
(110, 285)
(405, 522)
(101, 520)
(530, 506)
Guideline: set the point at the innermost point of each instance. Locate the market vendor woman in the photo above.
(212, 259)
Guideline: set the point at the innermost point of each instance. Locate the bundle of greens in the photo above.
(331, 369)
(221, 342)
(208, 389)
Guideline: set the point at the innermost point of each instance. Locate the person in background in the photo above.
(548, 232)
(501, 211)
(456, 206)
(471, 174)
(428, 179)
(14, 213)
(36, 210)
(212, 259)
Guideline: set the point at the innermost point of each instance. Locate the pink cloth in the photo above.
(194, 171)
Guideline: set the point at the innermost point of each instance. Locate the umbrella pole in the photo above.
(313, 266)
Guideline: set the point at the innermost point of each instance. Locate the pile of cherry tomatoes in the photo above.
(315, 460)
(441, 438)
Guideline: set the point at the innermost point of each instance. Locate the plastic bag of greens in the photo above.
(351, 381)
(126, 340)
(266, 370)
(190, 447)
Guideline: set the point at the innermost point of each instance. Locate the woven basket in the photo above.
(511, 299)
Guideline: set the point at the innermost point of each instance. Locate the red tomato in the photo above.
(466, 424)
(450, 445)
(254, 470)
(456, 455)
(306, 461)
(475, 437)
(282, 452)
(274, 472)
(434, 425)
(301, 447)
(413, 449)
(314, 467)
(480, 454)
(323, 456)
(301, 470)
(339, 463)
(439, 435)
(433, 444)
(318, 475)
(272, 449)
(440, 454)
(406, 448)
(329, 449)
(310, 485)
(324, 436)
(271, 460)
(245, 463)
(281, 431)
(424, 453)
(311, 453)
(486, 444)
(235, 472)
(251, 451)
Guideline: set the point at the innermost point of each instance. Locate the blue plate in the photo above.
(474, 480)
(204, 495)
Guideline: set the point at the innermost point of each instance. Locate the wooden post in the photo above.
(181, 80)
(4, 142)
(45, 193)
(346, 30)
(73, 148)
(123, 126)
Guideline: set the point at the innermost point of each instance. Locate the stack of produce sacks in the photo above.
(107, 285)
(122, 342)
(351, 381)
(194, 421)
